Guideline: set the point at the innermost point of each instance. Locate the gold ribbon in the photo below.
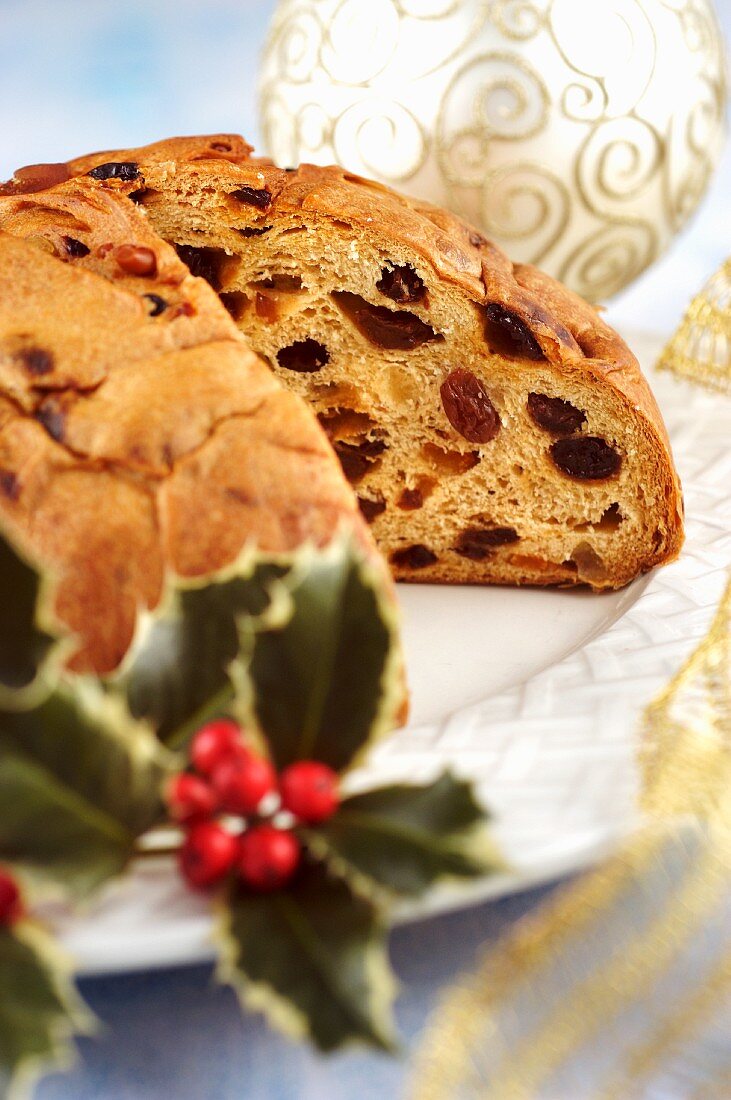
(700, 350)
(616, 989)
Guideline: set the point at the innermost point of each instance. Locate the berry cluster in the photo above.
(231, 806)
(11, 906)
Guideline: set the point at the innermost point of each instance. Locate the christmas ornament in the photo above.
(578, 135)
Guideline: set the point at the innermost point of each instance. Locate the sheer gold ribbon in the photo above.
(619, 988)
(701, 348)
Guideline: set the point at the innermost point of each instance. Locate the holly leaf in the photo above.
(405, 838)
(78, 785)
(24, 643)
(327, 678)
(179, 674)
(39, 1009)
(312, 958)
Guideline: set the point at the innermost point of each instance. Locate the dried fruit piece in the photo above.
(469, 410)
(305, 356)
(206, 263)
(254, 230)
(357, 458)
(136, 259)
(125, 170)
(554, 414)
(477, 543)
(343, 423)
(410, 500)
(394, 330)
(589, 564)
(509, 335)
(37, 361)
(158, 305)
(235, 302)
(75, 248)
(266, 308)
(51, 415)
(259, 197)
(370, 509)
(414, 557)
(587, 457)
(9, 484)
(401, 284)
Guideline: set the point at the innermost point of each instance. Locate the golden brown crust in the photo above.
(138, 432)
(567, 328)
(570, 333)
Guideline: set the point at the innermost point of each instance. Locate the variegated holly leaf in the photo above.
(40, 1011)
(313, 958)
(404, 838)
(179, 674)
(24, 644)
(327, 678)
(79, 783)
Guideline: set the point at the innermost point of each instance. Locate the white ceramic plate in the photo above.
(535, 695)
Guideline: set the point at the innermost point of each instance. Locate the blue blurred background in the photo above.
(77, 75)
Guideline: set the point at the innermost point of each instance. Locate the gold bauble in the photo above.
(579, 134)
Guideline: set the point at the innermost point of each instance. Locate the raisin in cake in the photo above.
(494, 427)
(138, 432)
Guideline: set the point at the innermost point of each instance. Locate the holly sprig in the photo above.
(301, 654)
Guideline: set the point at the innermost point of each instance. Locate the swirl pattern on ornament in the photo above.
(525, 204)
(360, 40)
(376, 136)
(605, 262)
(615, 164)
(517, 19)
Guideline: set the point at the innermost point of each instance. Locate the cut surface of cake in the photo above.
(494, 428)
(138, 431)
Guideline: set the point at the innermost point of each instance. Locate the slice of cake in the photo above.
(138, 432)
(494, 428)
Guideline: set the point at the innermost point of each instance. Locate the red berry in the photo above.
(213, 743)
(309, 790)
(207, 854)
(190, 798)
(11, 906)
(268, 857)
(242, 781)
